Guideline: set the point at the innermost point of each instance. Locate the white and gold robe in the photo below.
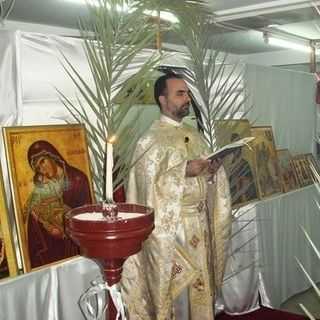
(177, 260)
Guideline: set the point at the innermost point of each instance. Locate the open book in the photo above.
(229, 148)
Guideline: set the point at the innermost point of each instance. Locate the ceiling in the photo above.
(239, 23)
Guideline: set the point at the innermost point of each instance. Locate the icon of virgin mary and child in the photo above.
(57, 188)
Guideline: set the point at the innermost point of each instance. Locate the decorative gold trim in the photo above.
(70, 138)
(7, 231)
(187, 274)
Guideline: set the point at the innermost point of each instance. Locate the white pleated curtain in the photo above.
(285, 100)
(31, 70)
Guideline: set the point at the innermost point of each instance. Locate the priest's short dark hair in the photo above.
(160, 85)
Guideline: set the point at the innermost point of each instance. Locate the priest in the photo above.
(181, 263)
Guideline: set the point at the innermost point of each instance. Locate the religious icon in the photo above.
(289, 179)
(268, 171)
(314, 167)
(303, 170)
(240, 164)
(8, 262)
(50, 174)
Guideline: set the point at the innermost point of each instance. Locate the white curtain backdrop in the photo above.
(281, 239)
(31, 70)
(263, 253)
(242, 280)
(50, 293)
(285, 100)
(9, 83)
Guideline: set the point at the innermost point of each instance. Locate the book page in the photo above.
(229, 148)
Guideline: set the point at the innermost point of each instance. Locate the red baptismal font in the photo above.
(110, 233)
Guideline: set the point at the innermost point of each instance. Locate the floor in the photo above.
(308, 298)
(262, 313)
(289, 310)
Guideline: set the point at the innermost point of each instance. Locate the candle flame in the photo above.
(112, 139)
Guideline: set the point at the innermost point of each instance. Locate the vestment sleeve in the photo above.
(220, 220)
(157, 180)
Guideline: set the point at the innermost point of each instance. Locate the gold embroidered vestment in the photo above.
(178, 256)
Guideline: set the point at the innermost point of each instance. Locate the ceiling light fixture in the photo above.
(288, 44)
(120, 8)
(262, 8)
(83, 2)
(164, 15)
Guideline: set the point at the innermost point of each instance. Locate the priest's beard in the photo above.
(183, 111)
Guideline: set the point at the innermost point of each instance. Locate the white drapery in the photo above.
(54, 292)
(50, 293)
(31, 70)
(9, 81)
(281, 240)
(274, 225)
(285, 100)
(242, 281)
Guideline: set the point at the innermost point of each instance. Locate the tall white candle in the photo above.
(109, 168)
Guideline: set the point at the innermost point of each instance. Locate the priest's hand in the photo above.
(197, 167)
(214, 165)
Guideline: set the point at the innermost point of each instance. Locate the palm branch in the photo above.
(303, 269)
(219, 85)
(316, 178)
(114, 35)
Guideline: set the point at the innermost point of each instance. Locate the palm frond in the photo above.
(307, 312)
(113, 39)
(317, 290)
(221, 90)
(249, 266)
(314, 247)
(310, 280)
(240, 249)
(219, 85)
